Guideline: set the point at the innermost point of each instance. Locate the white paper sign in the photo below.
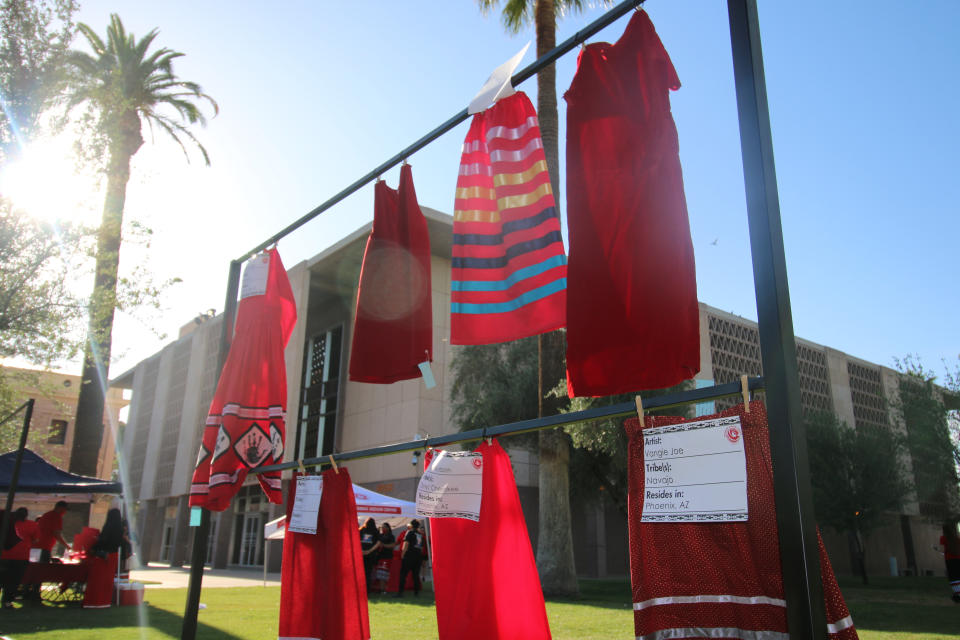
(306, 505)
(695, 472)
(452, 487)
(255, 276)
(497, 85)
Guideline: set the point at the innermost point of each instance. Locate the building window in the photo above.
(250, 514)
(319, 395)
(57, 432)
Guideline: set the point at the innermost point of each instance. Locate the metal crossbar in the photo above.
(619, 410)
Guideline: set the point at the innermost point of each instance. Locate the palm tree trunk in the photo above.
(555, 561)
(88, 433)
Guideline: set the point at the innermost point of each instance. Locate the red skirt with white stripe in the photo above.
(722, 579)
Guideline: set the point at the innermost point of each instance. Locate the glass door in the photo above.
(251, 541)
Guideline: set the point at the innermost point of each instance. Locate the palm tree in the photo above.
(555, 561)
(124, 84)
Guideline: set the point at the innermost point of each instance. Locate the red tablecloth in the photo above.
(60, 573)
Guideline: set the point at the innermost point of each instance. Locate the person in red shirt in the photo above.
(16, 557)
(950, 541)
(49, 527)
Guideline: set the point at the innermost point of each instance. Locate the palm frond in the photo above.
(517, 14)
(124, 76)
(175, 130)
(95, 42)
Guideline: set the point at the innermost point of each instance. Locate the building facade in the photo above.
(328, 413)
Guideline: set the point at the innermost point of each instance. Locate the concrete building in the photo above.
(328, 413)
(51, 436)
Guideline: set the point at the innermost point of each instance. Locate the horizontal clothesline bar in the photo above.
(620, 410)
(548, 58)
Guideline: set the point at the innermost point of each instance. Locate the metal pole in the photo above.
(547, 59)
(199, 552)
(620, 410)
(799, 553)
(15, 476)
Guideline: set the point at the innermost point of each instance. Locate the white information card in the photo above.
(452, 486)
(695, 472)
(255, 274)
(306, 505)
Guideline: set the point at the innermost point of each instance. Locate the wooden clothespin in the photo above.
(639, 401)
(333, 462)
(745, 390)
(301, 468)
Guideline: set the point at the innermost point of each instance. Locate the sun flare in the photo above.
(44, 183)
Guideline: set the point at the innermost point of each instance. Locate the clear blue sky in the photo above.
(864, 106)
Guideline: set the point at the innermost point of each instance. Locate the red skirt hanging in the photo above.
(323, 590)
(393, 326)
(705, 579)
(509, 275)
(632, 315)
(245, 427)
(485, 578)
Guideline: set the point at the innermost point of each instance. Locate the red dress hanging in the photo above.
(485, 578)
(509, 274)
(393, 326)
(245, 427)
(632, 316)
(323, 591)
(723, 579)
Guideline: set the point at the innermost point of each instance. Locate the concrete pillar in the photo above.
(601, 531)
(223, 535)
(840, 385)
(181, 533)
(151, 528)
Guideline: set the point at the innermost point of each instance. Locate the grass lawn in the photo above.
(888, 609)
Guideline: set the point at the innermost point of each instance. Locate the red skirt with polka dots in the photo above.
(717, 579)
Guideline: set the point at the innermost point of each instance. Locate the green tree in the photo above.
(124, 83)
(497, 384)
(858, 477)
(34, 38)
(555, 561)
(599, 457)
(494, 384)
(37, 310)
(920, 405)
(952, 402)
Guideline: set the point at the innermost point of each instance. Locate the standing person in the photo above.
(368, 544)
(16, 557)
(126, 550)
(103, 562)
(49, 528)
(950, 541)
(384, 557)
(111, 538)
(411, 556)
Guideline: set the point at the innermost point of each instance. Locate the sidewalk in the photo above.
(163, 576)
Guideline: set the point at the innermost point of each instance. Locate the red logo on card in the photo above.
(732, 434)
(477, 463)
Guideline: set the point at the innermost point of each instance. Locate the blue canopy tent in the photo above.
(39, 476)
